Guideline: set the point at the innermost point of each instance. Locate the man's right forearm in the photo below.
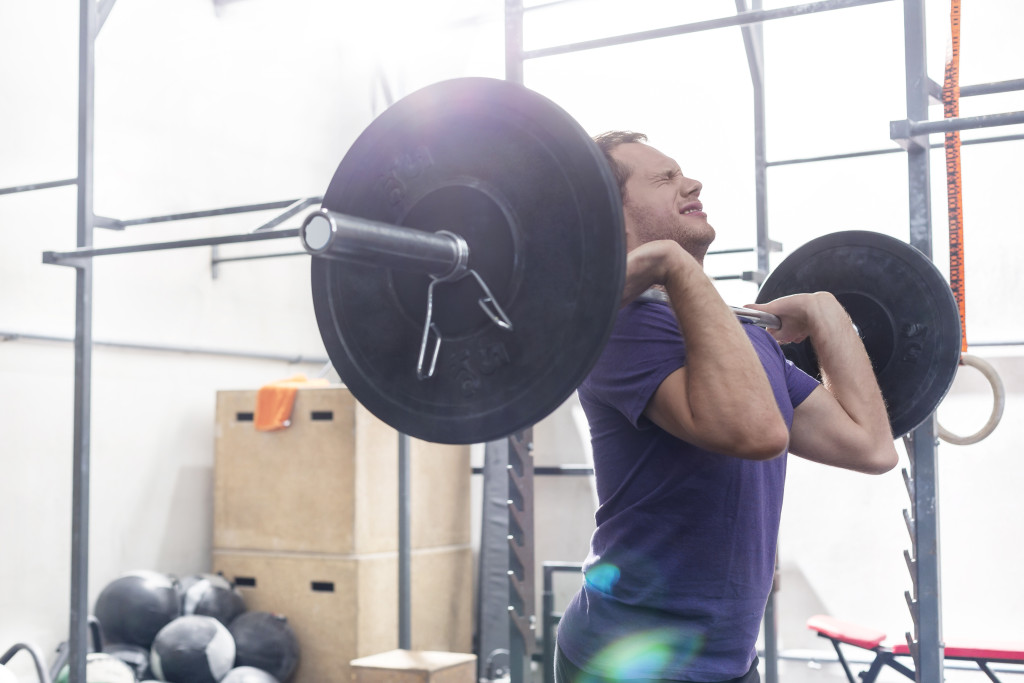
(846, 369)
(727, 385)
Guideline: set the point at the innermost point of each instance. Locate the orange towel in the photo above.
(274, 402)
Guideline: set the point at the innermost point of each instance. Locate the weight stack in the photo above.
(306, 525)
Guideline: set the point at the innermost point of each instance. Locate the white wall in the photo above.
(198, 111)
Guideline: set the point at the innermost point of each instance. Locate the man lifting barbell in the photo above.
(470, 273)
(691, 414)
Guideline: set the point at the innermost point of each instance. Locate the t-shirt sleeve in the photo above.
(799, 383)
(644, 348)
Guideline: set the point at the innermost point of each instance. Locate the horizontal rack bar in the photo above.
(256, 257)
(966, 123)
(293, 209)
(935, 89)
(38, 186)
(738, 250)
(892, 150)
(547, 3)
(996, 343)
(245, 208)
(68, 257)
(740, 19)
(746, 277)
(9, 336)
(992, 88)
(65, 257)
(555, 470)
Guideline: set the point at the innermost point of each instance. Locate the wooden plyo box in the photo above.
(329, 482)
(343, 608)
(415, 666)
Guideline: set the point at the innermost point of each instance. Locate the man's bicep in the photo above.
(824, 433)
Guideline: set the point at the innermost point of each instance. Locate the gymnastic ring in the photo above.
(999, 401)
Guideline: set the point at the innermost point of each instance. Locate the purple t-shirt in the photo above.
(683, 556)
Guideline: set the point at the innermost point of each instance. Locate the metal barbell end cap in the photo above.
(317, 232)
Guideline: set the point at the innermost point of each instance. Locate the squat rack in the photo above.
(911, 134)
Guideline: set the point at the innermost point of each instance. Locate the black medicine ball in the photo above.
(266, 641)
(135, 606)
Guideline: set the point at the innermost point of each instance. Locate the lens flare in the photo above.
(647, 654)
(603, 577)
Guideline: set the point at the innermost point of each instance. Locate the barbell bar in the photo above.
(442, 255)
(759, 318)
(476, 227)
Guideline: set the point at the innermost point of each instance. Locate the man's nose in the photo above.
(690, 187)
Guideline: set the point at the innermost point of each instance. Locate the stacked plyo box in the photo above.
(306, 525)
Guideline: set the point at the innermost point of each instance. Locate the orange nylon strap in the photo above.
(954, 194)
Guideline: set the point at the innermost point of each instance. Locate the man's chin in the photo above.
(698, 245)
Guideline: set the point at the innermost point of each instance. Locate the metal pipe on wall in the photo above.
(79, 608)
(10, 335)
(744, 19)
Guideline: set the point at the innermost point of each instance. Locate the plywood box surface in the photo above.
(343, 608)
(329, 482)
(415, 666)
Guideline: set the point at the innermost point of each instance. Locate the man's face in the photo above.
(660, 202)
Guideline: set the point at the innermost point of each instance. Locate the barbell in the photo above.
(469, 260)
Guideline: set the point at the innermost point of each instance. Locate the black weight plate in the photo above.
(903, 309)
(532, 195)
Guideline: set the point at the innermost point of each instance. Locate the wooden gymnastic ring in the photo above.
(998, 403)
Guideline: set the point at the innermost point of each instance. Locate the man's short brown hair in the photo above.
(609, 141)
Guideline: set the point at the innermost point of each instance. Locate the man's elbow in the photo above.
(877, 457)
(882, 460)
(764, 441)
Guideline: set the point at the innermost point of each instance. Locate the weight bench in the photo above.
(843, 632)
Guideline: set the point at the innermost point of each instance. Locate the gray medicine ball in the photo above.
(211, 595)
(192, 649)
(248, 674)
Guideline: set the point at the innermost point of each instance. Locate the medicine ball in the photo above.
(133, 607)
(248, 674)
(266, 641)
(135, 656)
(192, 649)
(211, 595)
(101, 668)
